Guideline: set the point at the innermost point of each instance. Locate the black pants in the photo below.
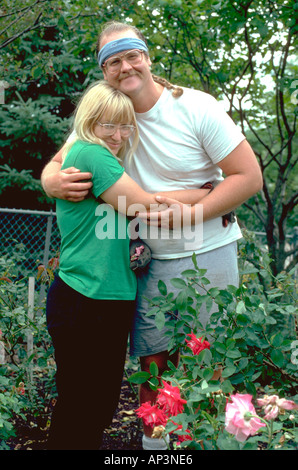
(90, 341)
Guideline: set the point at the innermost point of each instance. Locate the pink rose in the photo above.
(284, 404)
(241, 417)
(273, 405)
(197, 344)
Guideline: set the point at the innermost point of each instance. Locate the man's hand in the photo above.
(69, 184)
(170, 214)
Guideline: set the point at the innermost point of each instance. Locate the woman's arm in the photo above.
(132, 194)
(127, 197)
(71, 184)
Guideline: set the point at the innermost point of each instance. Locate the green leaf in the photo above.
(153, 369)
(139, 377)
(160, 320)
(233, 353)
(209, 304)
(220, 347)
(277, 357)
(277, 340)
(189, 273)
(227, 443)
(162, 288)
(205, 356)
(240, 308)
(153, 383)
(181, 301)
(208, 374)
(243, 319)
(228, 371)
(194, 260)
(179, 283)
(227, 387)
(242, 363)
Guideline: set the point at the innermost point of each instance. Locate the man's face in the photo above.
(130, 79)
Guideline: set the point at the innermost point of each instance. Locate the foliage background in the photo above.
(242, 52)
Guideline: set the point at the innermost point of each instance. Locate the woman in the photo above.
(90, 304)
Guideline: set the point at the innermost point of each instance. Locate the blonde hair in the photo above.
(117, 27)
(101, 100)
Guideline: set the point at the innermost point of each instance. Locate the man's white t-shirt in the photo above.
(181, 141)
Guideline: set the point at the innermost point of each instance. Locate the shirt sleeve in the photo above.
(105, 168)
(218, 132)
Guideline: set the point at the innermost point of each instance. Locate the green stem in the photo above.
(166, 442)
(270, 432)
(269, 426)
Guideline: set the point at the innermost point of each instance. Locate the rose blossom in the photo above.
(284, 404)
(170, 400)
(238, 419)
(152, 415)
(196, 344)
(182, 437)
(273, 405)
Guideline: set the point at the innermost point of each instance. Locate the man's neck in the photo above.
(147, 98)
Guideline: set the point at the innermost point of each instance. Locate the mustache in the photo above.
(129, 74)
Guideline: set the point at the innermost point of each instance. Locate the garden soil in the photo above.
(123, 434)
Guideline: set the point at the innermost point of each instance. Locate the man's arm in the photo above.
(68, 184)
(243, 180)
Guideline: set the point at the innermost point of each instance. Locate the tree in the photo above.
(44, 74)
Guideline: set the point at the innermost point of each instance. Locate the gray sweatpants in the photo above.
(222, 270)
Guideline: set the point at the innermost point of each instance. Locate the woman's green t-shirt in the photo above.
(94, 253)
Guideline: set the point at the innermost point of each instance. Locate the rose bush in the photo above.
(26, 382)
(253, 346)
(253, 354)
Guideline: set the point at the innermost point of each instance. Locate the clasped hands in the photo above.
(171, 214)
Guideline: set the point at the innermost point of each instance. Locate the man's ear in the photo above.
(104, 74)
(148, 60)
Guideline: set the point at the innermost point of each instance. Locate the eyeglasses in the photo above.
(109, 129)
(133, 57)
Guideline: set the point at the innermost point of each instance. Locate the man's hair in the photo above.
(116, 27)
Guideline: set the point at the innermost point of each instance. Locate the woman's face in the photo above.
(114, 135)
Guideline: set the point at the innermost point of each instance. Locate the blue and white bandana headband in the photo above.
(120, 45)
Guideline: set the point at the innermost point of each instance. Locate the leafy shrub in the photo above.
(254, 355)
(26, 382)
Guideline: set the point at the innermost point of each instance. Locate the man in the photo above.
(184, 142)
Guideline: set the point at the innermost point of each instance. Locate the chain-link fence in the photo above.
(31, 236)
(35, 235)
